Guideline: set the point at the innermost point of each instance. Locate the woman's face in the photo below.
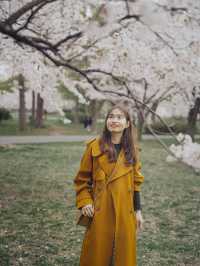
(116, 121)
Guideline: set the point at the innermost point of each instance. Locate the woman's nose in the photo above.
(115, 119)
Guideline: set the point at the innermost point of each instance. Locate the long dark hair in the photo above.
(128, 140)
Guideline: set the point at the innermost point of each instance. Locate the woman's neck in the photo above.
(116, 138)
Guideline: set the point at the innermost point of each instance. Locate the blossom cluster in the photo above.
(187, 151)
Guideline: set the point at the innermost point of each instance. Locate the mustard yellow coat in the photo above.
(114, 219)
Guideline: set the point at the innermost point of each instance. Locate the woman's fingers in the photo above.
(139, 221)
(88, 210)
(91, 211)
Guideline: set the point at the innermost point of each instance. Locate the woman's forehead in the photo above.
(117, 111)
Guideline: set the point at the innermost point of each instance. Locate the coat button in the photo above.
(129, 190)
(131, 211)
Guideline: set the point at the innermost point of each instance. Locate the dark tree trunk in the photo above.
(140, 125)
(33, 108)
(154, 108)
(192, 118)
(22, 109)
(76, 114)
(94, 114)
(39, 111)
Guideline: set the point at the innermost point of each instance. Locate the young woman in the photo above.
(107, 189)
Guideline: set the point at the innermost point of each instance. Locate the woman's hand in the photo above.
(139, 220)
(88, 210)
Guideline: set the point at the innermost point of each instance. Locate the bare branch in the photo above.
(127, 95)
(138, 18)
(30, 17)
(127, 7)
(159, 36)
(172, 9)
(168, 89)
(27, 7)
(67, 38)
(128, 16)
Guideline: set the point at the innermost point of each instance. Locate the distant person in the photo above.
(107, 189)
(85, 122)
(89, 124)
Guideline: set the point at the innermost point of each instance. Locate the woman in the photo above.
(111, 159)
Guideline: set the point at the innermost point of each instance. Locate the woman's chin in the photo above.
(114, 130)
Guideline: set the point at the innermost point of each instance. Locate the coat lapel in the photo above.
(120, 167)
(115, 169)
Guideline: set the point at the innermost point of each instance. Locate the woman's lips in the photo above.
(114, 126)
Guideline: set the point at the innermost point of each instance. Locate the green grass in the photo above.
(54, 126)
(38, 214)
(51, 127)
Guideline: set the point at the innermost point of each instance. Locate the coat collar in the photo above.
(118, 168)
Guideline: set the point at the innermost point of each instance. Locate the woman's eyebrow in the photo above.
(115, 114)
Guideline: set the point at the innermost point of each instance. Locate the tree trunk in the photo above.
(154, 108)
(33, 109)
(39, 111)
(37, 122)
(76, 114)
(192, 118)
(95, 107)
(93, 115)
(22, 109)
(140, 125)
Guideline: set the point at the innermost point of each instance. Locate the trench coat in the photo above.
(114, 219)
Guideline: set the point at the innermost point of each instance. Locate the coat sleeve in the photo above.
(83, 178)
(138, 177)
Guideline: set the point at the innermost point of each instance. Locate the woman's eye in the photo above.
(119, 117)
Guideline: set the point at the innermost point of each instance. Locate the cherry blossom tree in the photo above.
(187, 151)
(141, 51)
(194, 111)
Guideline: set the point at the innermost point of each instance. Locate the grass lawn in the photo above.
(52, 126)
(38, 214)
(10, 128)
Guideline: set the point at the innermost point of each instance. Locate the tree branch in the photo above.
(67, 38)
(133, 97)
(172, 9)
(30, 17)
(23, 10)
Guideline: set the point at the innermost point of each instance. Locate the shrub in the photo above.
(81, 113)
(177, 124)
(4, 114)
